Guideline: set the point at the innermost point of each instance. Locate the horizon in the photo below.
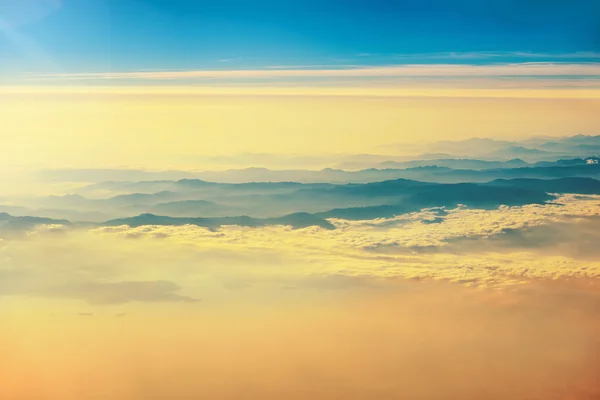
(318, 199)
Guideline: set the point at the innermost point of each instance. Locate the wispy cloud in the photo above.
(530, 69)
(487, 55)
(409, 87)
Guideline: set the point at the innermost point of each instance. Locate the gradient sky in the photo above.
(105, 83)
(454, 304)
(104, 35)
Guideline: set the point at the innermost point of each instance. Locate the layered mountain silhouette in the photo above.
(350, 201)
(296, 220)
(472, 154)
(16, 226)
(440, 171)
(479, 172)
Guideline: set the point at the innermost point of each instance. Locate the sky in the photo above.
(225, 78)
(103, 35)
(450, 302)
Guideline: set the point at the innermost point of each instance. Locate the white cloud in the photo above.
(406, 70)
(182, 263)
(398, 247)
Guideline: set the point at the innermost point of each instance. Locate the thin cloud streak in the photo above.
(499, 88)
(580, 55)
(408, 70)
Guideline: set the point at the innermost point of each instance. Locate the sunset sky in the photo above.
(310, 199)
(108, 83)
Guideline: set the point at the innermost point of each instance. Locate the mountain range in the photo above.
(480, 173)
(350, 201)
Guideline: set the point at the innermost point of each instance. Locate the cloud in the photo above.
(329, 314)
(575, 238)
(482, 55)
(86, 314)
(541, 69)
(456, 248)
(570, 79)
(500, 87)
(496, 249)
(426, 340)
(121, 292)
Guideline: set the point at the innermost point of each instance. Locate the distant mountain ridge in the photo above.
(373, 200)
(268, 193)
(474, 154)
(277, 180)
(296, 221)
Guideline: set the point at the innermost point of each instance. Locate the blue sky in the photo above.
(124, 35)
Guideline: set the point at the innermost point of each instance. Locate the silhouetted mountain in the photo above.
(350, 201)
(476, 172)
(191, 208)
(17, 221)
(296, 220)
(488, 195)
(524, 153)
(471, 154)
(564, 163)
(476, 196)
(470, 147)
(196, 186)
(394, 187)
(366, 213)
(461, 163)
(563, 185)
(531, 150)
(10, 225)
(272, 199)
(70, 214)
(141, 199)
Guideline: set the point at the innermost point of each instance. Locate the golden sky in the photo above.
(157, 128)
(445, 303)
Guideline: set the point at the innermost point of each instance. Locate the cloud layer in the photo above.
(417, 70)
(493, 249)
(439, 304)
